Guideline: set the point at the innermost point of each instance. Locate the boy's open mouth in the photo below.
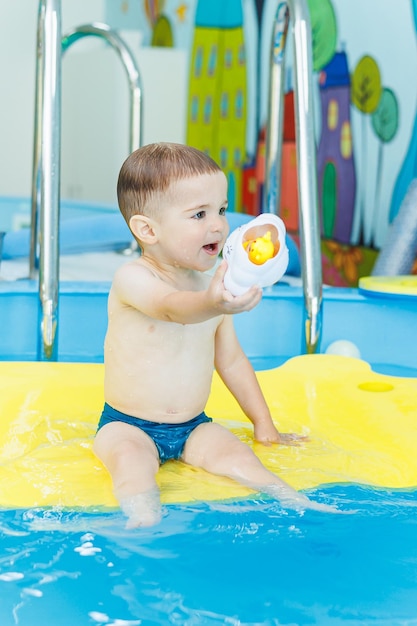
(212, 248)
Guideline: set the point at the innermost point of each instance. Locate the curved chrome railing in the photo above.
(47, 154)
(104, 31)
(297, 12)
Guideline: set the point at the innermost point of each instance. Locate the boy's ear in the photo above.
(143, 228)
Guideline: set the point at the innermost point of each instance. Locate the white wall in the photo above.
(95, 122)
(95, 102)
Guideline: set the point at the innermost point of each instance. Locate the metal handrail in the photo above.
(46, 173)
(104, 31)
(274, 127)
(296, 11)
(47, 154)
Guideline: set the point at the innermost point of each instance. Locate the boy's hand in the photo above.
(268, 434)
(224, 301)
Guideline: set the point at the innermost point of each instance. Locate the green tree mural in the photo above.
(385, 124)
(324, 32)
(385, 117)
(366, 95)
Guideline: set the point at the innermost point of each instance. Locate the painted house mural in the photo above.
(335, 161)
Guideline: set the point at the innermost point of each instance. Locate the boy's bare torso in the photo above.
(157, 370)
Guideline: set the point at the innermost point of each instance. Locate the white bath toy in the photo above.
(256, 254)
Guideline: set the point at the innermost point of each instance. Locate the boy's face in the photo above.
(193, 227)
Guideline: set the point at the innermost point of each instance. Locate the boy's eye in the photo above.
(199, 215)
(222, 211)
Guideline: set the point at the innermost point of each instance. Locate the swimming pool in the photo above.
(242, 561)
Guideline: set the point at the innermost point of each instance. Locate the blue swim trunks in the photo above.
(169, 439)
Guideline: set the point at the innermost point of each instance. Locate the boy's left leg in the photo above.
(217, 450)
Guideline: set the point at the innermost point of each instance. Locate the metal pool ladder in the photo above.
(47, 154)
(296, 12)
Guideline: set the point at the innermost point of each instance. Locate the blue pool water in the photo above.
(245, 563)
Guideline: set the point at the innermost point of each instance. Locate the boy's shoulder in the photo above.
(133, 273)
(134, 268)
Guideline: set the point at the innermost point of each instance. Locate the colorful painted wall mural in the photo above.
(366, 113)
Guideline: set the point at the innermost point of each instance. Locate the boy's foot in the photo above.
(297, 501)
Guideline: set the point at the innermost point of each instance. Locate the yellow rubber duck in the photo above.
(260, 249)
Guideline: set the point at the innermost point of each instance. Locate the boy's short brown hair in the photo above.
(150, 170)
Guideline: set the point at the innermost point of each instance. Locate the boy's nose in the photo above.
(217, 224)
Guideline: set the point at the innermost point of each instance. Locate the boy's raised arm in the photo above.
(140, 288)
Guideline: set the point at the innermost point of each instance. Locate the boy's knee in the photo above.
(242, 452)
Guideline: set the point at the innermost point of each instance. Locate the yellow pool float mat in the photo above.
(362, 428)
(389, 285)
